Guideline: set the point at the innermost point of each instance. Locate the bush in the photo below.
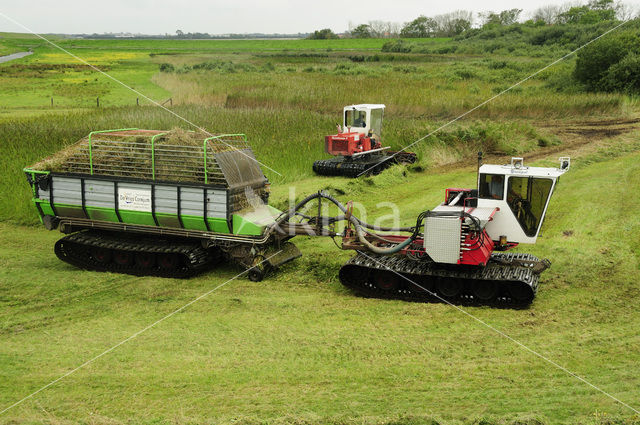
(595, 62)
(498, 64)
(167, 67)
(624, 76)
(324, 34)
(406, 69)
(464, 72)
(269, 66)
(446, 49)
(397, 46)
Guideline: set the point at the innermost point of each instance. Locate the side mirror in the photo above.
(565, 163)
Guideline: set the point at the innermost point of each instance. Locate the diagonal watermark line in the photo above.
(124, 341)
(499, 332)
(95, 68)
(480, 105)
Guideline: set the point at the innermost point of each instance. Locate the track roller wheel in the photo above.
(449, 288)
(485, 290)
(122, 258)
(168, 261)
(255, 274)
(422, 284)
(101, 255)
(355, 275)
(521, 292)
(145, 259)
(386, 280)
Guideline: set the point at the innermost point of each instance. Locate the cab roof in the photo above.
(508, 169)
(366, 106)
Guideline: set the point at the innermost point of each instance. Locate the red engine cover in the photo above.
(347, 144)
(482, 248)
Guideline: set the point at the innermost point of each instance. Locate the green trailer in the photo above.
(166, 203)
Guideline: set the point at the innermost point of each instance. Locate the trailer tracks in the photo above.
(140, 256)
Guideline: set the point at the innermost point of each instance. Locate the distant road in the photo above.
(14, 56)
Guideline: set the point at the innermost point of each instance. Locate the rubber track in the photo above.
(336, 167)
(426, 274)
(330, 167)
(402, 157)
(75, 249)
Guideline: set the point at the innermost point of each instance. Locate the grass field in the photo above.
(298, 348)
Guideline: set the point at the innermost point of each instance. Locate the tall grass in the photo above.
(285, 107)
(285, 140)
(435, 91)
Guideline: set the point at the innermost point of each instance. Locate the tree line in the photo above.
(456, 23)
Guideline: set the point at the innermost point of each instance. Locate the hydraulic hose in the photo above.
(357, 224)
(285, 216)
(362, 223)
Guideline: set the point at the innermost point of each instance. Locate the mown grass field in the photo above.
(297, 347)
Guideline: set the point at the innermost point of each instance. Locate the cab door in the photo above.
(528, 198)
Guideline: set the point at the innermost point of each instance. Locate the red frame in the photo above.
(347, 144)
(480, 245)
(475, 257)
(453, 189)
(479, 256)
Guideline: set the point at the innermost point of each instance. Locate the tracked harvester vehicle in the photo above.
(174, 204)
(456, 251)
(164, 203)
(357, 147)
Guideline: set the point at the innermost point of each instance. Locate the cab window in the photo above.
(376, 121)
(491, 186)
(355, 118)
(527, 197)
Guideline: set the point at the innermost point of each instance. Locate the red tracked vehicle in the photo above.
(455, 251)
(357, 148)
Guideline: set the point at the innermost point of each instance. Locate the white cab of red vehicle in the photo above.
(521, 195)
(363, 118)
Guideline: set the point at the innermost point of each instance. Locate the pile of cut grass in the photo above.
(175, 155)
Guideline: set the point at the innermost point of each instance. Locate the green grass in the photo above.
(16, 42)
(292, 74)
(298, 348)
(32, 82)
(233, 45)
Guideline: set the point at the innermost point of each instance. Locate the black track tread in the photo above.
(75, 250)
(332, 167)
(340, 166)
(418, 271)
(402, 157)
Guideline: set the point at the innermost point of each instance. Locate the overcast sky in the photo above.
(219, 17)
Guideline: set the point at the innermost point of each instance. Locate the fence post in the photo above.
(170, 101)
(52, 102)
(137, 101)
(98, 102)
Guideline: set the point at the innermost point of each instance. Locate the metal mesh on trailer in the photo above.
(239, 168)
(172, 156)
